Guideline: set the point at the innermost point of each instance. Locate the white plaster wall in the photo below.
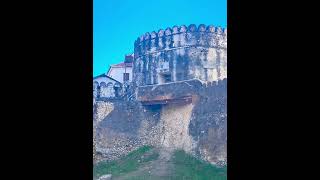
(117, 73)
(107, 91)
(104, 79)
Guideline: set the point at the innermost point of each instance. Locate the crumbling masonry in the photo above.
(177, 99)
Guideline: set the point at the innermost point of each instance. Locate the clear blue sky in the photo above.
(118, 23)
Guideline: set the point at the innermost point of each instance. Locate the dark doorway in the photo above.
(165, 78)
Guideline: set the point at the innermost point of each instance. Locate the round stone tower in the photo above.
(180, 53)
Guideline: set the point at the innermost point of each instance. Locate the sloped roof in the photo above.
(104, 75)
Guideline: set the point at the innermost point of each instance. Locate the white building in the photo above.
(105, 86)
(114, 82)
(122, 72)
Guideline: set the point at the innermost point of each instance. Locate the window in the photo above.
(179, 76)
(165, 78)
(125, 76)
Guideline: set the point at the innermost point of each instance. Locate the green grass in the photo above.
(184, 167)
(125, 164)
(188, 167)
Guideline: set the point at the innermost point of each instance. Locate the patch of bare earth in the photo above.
(160, 168)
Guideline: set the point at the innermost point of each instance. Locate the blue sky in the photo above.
(118, 23)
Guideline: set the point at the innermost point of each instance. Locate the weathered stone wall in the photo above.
(183, 53)
(175, 120)
(109, 91)
(199, 128)
(187, 113)
(100, 111)
(208, 124)
(127, 127)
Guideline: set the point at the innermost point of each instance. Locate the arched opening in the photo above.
(95, 89)
(103, 89)
(164, 73)
(165, 77)
(110, 89)
(117, 89)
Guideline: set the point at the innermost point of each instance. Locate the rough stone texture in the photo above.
(100, 110)
(167, 91)
(126, 128)
(198, 127)
(174, 122)
(181, 53)
(208, 125)
(177, 100)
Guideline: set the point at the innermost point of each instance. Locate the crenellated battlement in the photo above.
(180, 53)
(181, 37)
(177, 98)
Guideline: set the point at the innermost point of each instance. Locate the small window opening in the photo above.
(125, 76)
(165, 78)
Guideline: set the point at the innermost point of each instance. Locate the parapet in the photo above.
(179, 92)
(181, 37)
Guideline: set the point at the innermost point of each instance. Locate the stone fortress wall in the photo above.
(179, 96)
(181, 53)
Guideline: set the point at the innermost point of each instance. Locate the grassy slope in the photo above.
(188, 167)
(185, 167)
(125, 164)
